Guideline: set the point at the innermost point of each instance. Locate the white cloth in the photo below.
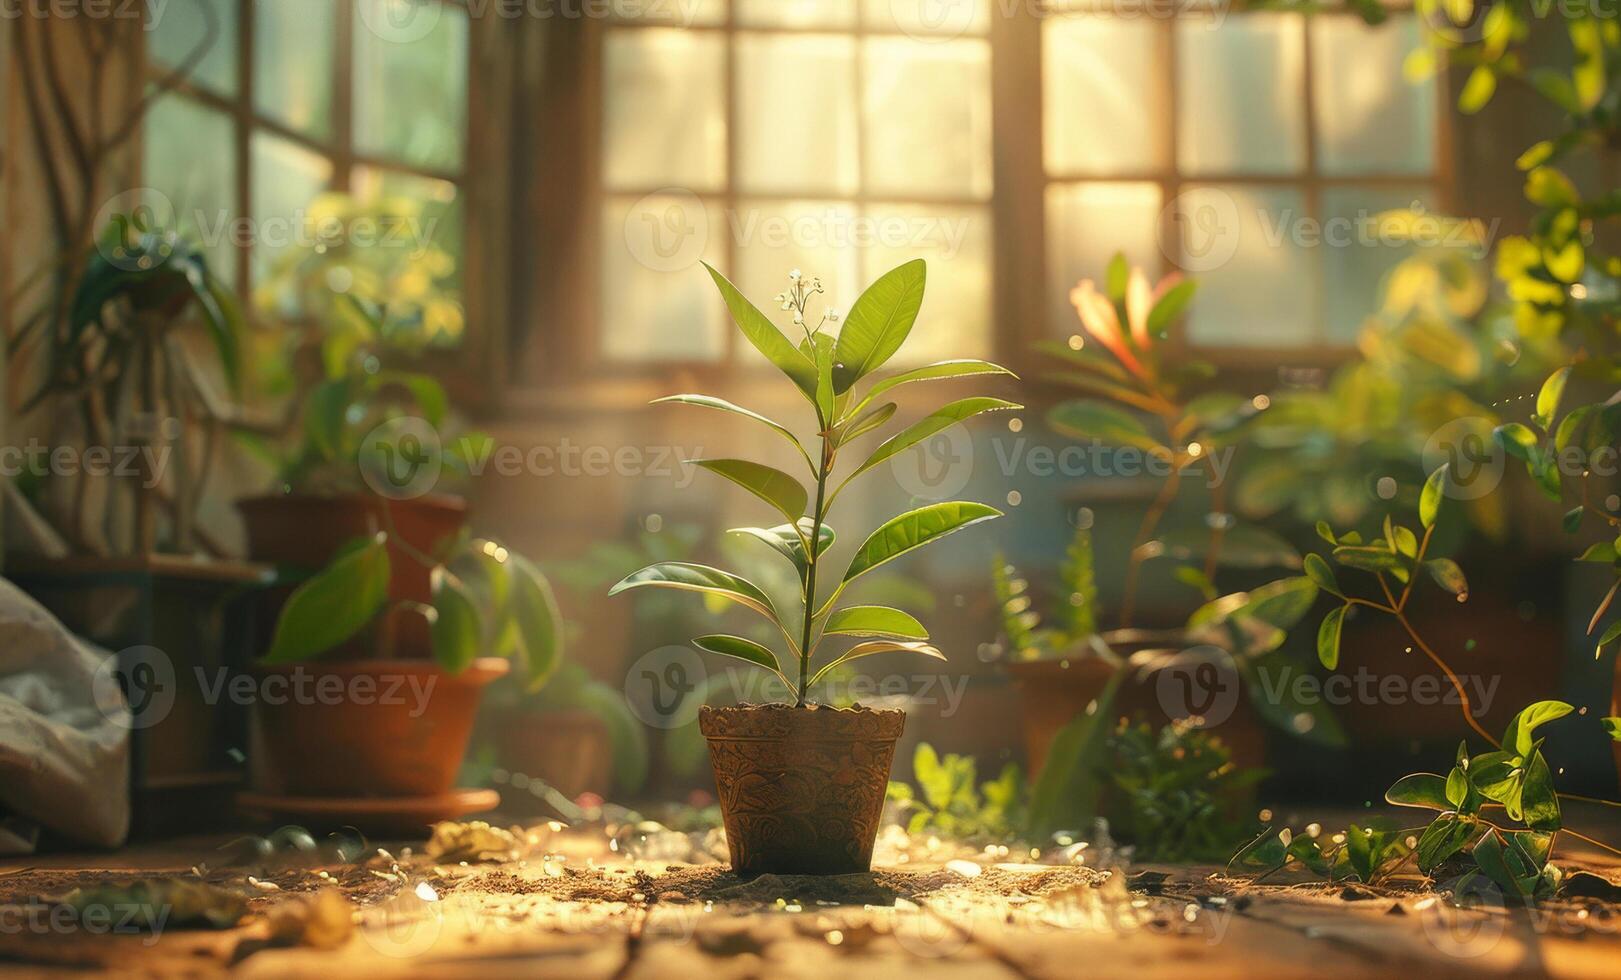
(64, 731)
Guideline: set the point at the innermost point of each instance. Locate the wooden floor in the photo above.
(574, 908)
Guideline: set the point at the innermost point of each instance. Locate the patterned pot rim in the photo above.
(812, 722)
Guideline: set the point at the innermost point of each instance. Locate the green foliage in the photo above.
(487, 601)
(1077, 615)
(826, 371)
(1175, 794)
(950, 800)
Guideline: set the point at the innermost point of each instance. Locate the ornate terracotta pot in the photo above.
(801, 789)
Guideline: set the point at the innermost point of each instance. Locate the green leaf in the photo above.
(1446, 836)
(1326, 533)
(1319, 571)
(784, 540)
(1495, 774)
(1170, 306)
(739, 648)
(913, 530)
(457, 630)
(939, 420)
(1517, 736)
(1538, 805)
(1088, 419)
(864, 424)
(1328, 637)
(1612, 726)
(871, 647)
(1448, 576)
(1477, 91)
(768, 483)
(1603, 551)
(875, 621)
(937, 371)
(721, 404)
(1422, 789)
(1368, 558)
(333, 605)
(693, 577)
(765, 336)
(1115, 278)
(878, 323)
(1548, 398)
(1572, 521)
(819, 348)
(325, 416)
(1429, 499)
(538, 620)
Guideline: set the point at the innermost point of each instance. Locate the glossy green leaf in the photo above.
(1517, 737)
(1457, 788)
(1087, 419)
(457, 631)
(937, 421)
(1538, 805)
(1429, 499)
(539, 622)
(789, 543)
(866, 422)
(1368, 558)
(1549, 396)
(1612, 727)
(721, 404)
(699, 578)
(1448, 576)
(1421, 789)
(875, 621)
(871, 647)
(1328, 637)
(333, 605)
(913, 530)
(1517, 440)
(1445, 837)
(1477, 91)
(768, 483)
(1170, 306)
(739, 648)
(1319, 571)
(765, 336)
(878, 323)
(940, 370)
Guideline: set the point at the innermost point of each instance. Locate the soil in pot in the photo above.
(381, 728)
(801, 789)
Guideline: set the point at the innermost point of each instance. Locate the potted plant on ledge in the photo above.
(801, 785)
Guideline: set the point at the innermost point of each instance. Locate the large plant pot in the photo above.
(396, 728)
(1053, 692)
(568, 750)
(801, 789)
(305, 530)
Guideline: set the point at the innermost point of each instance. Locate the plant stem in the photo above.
(1400, 614)
(811, 549)
(1145, 530)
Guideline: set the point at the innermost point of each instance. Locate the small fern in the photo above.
(1079, 580)
(1078, 618)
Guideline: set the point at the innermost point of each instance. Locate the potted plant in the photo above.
(801, 785)
(368, 731)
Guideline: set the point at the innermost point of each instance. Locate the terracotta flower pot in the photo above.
(305, 530)
(569, 750)
(801, 789)
(383, 728)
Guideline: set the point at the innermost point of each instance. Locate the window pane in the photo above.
(1239, 94)
(796, 13)
(930, 18)
(190, 158)
(1257, 285)
(412, 256)
(1369, 118)
(293, 63)
(410, 92)
(1104, 96)
(928, 117)
(956, 243)
(796, 113)
(656, 302)
(286, 179)
(816, 237)
(1355, 260)
(175, 34)
(665, 114)
(1086, 225)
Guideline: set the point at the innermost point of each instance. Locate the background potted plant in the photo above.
(801, 785)
(392, 760)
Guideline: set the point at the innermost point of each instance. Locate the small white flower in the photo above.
(793, 275)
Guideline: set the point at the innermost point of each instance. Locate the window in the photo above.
(767, 135)
(295, 98)
(1252, 149)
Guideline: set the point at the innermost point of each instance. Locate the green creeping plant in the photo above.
(950, 800)
(826, 371)
(1513, 777)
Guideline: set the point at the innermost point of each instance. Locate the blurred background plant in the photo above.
(951, 801)
(1175, 794)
